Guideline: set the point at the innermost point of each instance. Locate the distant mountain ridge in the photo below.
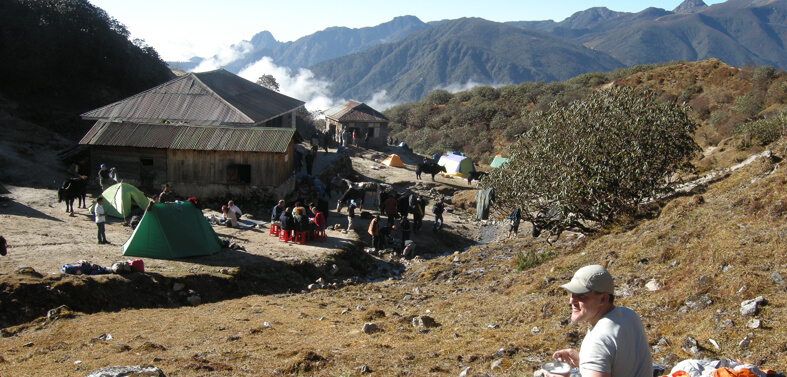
(458, 52)
(408, 58)
(324, 45)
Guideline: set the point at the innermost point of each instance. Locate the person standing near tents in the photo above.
(351, 214)
(438, 208)
(167, 195)
(374, 231)
(417, 209)
(103, 177)
(405, 225)
(101, 219)
(309, 162)
(515, 218)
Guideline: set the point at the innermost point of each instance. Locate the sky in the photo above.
(216, 30)
(180, 29)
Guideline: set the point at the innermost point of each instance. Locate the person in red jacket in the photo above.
(318, 221)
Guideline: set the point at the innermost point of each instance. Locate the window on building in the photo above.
(239, 174)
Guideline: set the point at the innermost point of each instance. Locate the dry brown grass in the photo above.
(724, 243)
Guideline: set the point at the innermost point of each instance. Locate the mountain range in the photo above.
(407, 58)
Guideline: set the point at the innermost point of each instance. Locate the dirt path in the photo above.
(43, 236)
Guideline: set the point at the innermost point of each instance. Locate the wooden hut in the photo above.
(206, 134)
(353, 116)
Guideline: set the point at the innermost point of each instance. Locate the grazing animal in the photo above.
(352, 193)
(477, 175)
(71, 189)
(340, 185)
(429, 168)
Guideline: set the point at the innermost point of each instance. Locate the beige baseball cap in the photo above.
(593, 278)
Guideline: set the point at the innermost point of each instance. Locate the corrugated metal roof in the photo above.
(207, 98)
(354, 111)
(168, 136)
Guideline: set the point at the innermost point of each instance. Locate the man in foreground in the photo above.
(616, 345)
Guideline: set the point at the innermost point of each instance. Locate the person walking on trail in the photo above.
(309, 162)
(514, 218)
(103, 177)
(374, 231)
(438, 208)
(366, 139)
(616, 344)
(101, 219)
(351, 214)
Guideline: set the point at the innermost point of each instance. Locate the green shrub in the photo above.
(532, 258)
(596, 159)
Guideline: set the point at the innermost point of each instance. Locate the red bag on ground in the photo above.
(137, 265)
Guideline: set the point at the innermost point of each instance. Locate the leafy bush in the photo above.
(761, 132)
(596, 159)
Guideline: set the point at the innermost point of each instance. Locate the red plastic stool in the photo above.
(275, 230)
(319, 235)
(285, 235)
(300, 237)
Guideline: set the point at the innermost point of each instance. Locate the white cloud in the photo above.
(458, 87)
(225, 56)
(300, 84)
(380, 101)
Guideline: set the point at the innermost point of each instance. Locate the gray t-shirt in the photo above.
(617, 344)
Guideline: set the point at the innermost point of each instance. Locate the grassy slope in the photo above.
(724, 243)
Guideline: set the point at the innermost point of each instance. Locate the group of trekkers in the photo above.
(397, 207)
(297, 218)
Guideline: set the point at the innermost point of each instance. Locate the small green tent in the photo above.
(172, 230)
(499, 162)
(119, 198)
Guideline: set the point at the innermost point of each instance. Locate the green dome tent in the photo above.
(499, 162)
(119, 198)
(172, 230)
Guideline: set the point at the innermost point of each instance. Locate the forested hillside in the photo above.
(482, 122)
(60, 58)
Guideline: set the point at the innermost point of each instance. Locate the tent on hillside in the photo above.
(394, 160)
(499, 162)
(456, 165)
(172, 230)
(119, 198)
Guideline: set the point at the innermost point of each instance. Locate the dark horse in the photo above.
(73, 188)
(352, 193)
(429, 168)
(477, 175)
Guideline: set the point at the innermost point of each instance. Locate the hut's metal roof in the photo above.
(355, 111)
(169, 136)
(208, 98)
